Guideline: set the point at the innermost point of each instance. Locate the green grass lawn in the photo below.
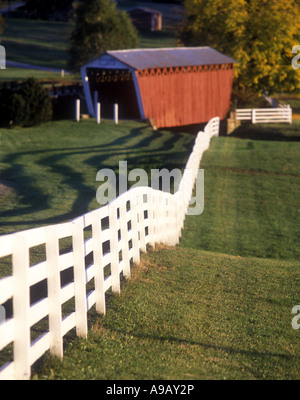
(216, 307)
(17, 74)
(14, 74)
(252, 202)
(43, 43)
(191, 314)
(53, 167)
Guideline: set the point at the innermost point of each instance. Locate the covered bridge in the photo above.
(172, 86)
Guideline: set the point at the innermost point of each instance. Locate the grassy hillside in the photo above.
(219, 305)
(43, 43)
(196, 314)
(216, 307)
(252, 204)
(52, 168)
(191, 314)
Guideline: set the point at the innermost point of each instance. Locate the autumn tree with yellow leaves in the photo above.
(259, 34)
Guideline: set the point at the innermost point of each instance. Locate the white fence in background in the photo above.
(265, 115)
(116, 234)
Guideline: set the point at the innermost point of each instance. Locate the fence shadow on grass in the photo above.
(32, 199)
(275, 132)
(209, 346)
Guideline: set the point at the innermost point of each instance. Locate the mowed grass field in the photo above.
(52, 168)
(219, 305)
(43, 43)
(216, 307)
(192, 314)
(15, 74)
(252, 200)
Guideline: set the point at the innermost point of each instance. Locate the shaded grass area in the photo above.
(52, 168)
(37, 42)
(196, 314)
(191, 314)
(270, 132)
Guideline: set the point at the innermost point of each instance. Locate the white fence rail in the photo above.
(265, 115)
(103, 244)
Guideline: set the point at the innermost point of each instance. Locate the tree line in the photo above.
(258, 34)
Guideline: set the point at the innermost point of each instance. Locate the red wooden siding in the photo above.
(185, 95)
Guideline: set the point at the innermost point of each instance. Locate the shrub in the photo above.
(30, 105)
(17, 109)
(5, 105)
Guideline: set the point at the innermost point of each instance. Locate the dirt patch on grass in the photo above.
(6, 188)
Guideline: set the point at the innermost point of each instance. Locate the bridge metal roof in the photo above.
(139, 59)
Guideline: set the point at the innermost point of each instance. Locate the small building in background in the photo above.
(171, 86)
(145, 19)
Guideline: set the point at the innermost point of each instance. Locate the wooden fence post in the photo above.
(98, 263)
(178, 212)
(54, 289)
(167, 223)
(134, 226)
(98, 113)
(21, 307)
(170, 220)
(160, 220)
(79, 279)
(150, 210)
(141, 220)
(116, 113)
(114, 248)
(77, 110)
(173, 222)
(124, 240)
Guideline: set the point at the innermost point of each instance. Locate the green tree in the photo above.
(259, 34)
(37, 103)
(99, 26)
(30, 105)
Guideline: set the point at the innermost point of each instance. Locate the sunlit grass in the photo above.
(190, 314)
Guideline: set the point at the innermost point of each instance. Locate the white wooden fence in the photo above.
(139, 217)
(265, 115)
